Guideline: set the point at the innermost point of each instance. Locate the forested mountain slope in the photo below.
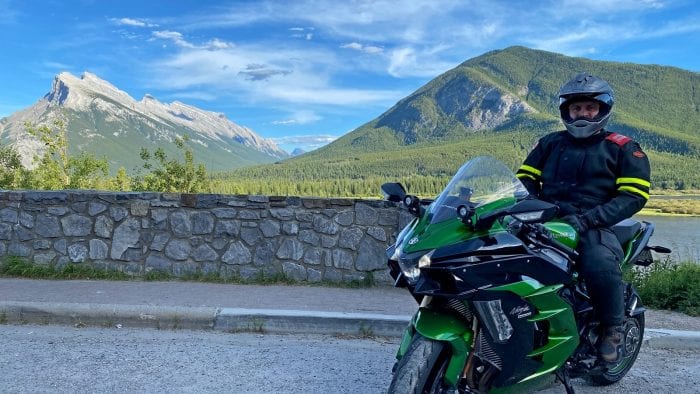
(498, 103)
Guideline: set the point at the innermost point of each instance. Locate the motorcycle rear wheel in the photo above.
(422, 368)
(634, 335)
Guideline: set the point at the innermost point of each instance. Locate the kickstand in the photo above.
(563, 377)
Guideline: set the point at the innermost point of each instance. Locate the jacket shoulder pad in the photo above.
(618, 139)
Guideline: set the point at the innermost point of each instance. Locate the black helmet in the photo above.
(585, 86)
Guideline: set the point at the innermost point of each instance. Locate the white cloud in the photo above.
(132, 22)
(219, 44)
(402, 58)
(312, 140)
(264, 73)
(305, 33)
(196, 95)
(299, 118)
(174, 37)
(57, 65)
(363, 48)
(423, 39)
(261, 72)
(334, 96)
(353, 45)
(179, 40)
(611, 6)
(410, 40)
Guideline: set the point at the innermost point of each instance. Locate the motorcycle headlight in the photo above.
(411, 273)
(425, 260)
(411, 268)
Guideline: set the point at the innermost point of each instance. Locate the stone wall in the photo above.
(307, 239)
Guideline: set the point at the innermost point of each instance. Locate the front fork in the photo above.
(446, 328)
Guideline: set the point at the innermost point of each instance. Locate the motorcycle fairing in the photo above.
(563, 336)
(509, 355)
(444, 327)
(463, 279)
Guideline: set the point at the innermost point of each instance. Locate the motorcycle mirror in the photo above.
(393, 192)
(412, 203)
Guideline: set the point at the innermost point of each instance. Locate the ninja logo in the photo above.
(520, 311)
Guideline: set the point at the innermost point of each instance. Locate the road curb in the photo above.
(203, 318)
(249, 320)
(107, 315)
(672, 339)
(310, 322)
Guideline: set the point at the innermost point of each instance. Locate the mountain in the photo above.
(106, 121)
(298, 151)
(516, 89)
(499, 103)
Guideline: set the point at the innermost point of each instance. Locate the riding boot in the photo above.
(611, 345)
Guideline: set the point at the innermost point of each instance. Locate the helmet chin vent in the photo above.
(582, 128)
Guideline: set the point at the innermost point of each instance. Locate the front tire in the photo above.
(634, 334)
(422, 368)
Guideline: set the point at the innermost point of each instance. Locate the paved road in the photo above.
(81, 360)
(40, 359)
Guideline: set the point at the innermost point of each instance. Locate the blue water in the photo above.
(680, 234)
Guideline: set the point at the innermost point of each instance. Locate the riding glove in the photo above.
(578, 222)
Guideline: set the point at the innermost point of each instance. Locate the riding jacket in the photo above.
(604, 178)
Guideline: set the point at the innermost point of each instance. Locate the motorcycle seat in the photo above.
(626, 230)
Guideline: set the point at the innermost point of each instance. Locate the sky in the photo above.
(305, 72)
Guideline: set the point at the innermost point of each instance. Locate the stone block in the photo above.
(76, 225)
(290, 249)
(237, 254)
(139, 208)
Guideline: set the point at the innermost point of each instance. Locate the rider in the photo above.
(597, 178)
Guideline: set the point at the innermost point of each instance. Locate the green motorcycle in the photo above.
(501, 308)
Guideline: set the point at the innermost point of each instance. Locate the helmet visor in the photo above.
(603, 98)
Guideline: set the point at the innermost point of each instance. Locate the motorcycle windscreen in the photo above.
(479, 182)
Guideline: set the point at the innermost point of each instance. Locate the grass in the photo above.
(672, 206)
(669, 286)
(18, 267)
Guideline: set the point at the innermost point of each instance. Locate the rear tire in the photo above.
(422, 368)
(634, 334)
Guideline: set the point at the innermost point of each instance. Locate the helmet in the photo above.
(585, 86)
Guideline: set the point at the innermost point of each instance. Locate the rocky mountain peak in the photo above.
(96, 111)
(72, 92)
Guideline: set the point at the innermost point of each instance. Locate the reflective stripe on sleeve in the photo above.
(531, 169)
(638, 181)
(634, 190)
(523, 175)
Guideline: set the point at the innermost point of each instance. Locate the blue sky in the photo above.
(305, 72)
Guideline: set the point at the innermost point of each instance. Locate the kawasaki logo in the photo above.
(413, 241)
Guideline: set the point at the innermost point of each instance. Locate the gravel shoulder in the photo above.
(671, 320)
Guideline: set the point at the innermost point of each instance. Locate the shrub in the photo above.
(670, 286)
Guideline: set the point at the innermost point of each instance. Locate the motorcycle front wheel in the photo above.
(634, 334)
(422, 368)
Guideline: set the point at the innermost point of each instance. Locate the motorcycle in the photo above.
(501, 307)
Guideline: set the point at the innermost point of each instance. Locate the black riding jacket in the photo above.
(604, 178)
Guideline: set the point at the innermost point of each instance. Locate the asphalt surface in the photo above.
(367, 312)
